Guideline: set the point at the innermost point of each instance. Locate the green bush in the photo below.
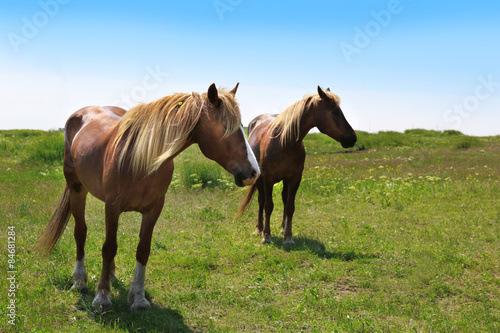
(47, 149)
(452, 132)
(22, 133)
(381, 140)
(423, 132)
(467, 142)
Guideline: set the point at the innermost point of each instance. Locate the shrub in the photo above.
(452, 132)
(381, 140)
(47, 149)
(466, 142)
(423, 132)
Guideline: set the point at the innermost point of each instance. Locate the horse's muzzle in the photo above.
(348, 141)
(241, 179)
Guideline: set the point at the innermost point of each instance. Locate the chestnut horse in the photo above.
(126, 160)
(276, 141)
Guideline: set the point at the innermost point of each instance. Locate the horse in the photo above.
(125, 159)
(276, 141)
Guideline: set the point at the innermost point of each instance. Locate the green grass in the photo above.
(402, 236)
(200, 174)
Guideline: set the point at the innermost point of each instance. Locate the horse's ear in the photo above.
(328, 90)
(322, 94)
(233, 92)
(213, 95)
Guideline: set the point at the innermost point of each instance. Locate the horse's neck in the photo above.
(188, 143)
(306, 124)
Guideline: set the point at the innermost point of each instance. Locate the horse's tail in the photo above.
(247, 200)
(57, 224)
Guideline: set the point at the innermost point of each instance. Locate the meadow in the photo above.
(399, 234)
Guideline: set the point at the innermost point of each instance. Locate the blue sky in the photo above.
(395, 64)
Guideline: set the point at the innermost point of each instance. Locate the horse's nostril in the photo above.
(254, 173)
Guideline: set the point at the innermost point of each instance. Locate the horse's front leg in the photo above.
(268, 208)
(136, 296)
(293, 186)
(284, 198)
(109, 248)
(259, 228)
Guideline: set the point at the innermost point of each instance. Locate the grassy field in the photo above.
(399, 234)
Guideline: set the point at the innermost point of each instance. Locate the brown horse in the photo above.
(276, 141)
(126, 160)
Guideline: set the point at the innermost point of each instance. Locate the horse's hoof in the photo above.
(266, 240)
(101, 301)
(257, 232)
(80, 287)
(140, 305)
(288, 240)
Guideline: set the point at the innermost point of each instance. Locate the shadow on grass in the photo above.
(156, 319)
(319, 249)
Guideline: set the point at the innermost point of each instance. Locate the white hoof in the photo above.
(137, 300)
(136, 297)
(140, 304)
(288, 240)
(80, 286)
(80, 276)
(101, 301)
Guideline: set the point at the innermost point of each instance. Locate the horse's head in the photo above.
(221, 137)
(331, 121)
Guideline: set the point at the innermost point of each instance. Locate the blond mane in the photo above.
(154, 132)
(287, 124)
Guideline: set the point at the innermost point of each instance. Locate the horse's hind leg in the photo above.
(77, 202)
(136, 297)
(109, 248)
(78, 197)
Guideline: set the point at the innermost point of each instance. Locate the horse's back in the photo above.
(260, 120)
(257, 128)
(98, 119)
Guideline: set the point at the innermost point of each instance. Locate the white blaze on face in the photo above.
(250, 154)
